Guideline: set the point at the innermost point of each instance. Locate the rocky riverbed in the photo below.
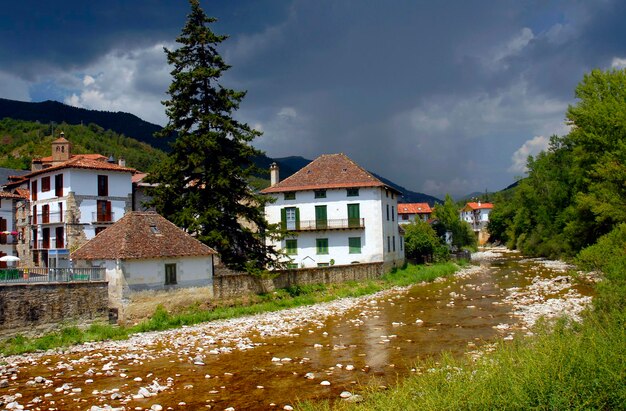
(322, 351)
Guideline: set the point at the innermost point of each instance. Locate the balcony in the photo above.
(9, 239)
(102, 218)
(324, 225)
(49, 218)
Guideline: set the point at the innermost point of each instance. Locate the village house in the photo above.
(477, 215)
(411, 212)
(144, 251)
(73, 198)
(336, 213)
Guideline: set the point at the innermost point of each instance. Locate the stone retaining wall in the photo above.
(229, 284)
(32, 309)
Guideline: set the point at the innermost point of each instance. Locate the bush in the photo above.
(420, 240)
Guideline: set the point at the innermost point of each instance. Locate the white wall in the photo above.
(7, 212)
(372, 207)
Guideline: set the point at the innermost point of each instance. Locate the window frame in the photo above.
(291, 246)
(289, 195)
(321, 246)
(103, 185)
(169, 273)
(352, 247)
(319, 194)
(352, 192)
(45, 184)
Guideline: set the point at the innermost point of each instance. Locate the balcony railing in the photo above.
(333, 224)
(46, 245)
(102, 218)
(8, 239)
(51, 275)
(50, 218)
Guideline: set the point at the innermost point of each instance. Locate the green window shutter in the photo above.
(354, 215)
(322, 245)
(355, 245)
(297, 218)
(321, 220)
(291, 247)
(283, 218)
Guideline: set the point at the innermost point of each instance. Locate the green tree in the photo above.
(203, 185)
(448, 218)
(421, 240)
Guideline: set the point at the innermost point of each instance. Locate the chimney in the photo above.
(121, 162)
(274, 178)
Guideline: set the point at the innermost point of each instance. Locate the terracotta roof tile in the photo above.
(478, 206)
(141, 235)
(414, 208)
(83, 162)
(6, 194)
(326, 172)
(73, 156)
(23, 193)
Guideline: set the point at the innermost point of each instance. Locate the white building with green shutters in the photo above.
(336, 213)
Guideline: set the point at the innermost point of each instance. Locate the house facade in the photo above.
(144, 251)
(411, 212)
(477, 215)
(335, 213)
(8, 232)
(73, 198)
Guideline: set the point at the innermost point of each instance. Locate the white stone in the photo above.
(325, 382)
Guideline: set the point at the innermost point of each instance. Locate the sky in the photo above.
(438, 96)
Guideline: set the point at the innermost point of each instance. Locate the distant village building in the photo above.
(477, 215)
(411, 212)
(144, 251)
(8, 232)
(336, 213)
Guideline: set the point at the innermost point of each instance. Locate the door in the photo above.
(354, 215)
(290, 218)
(321, 220)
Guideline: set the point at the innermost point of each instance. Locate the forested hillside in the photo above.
(20, 141)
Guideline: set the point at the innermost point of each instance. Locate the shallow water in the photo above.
(380, 339)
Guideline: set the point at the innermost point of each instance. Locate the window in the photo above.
(387, 193)
(321, 220)
(33, 190)
(320, 193)
(405, 217)
(387, 212)
(392, 195)
(170, 274)
(353, 192)
(35, 245)
(45, 214)
(58, 185)
(290, 196)
(60, 212)
(59, 239)
(103, 213)
(394, 243)
(45, 184)
(388, 244)
(355, 245)
(401, 241)
(290, 218)
(292, 266)
(99, 230)
(323, 264)
(291, 247)
(103, 186)
(45, 233)
(322, 245)
(3, 227)
(354, 216)
(34, 214)
(154, 229)
(393, 213)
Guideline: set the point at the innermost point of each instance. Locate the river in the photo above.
(273, 360)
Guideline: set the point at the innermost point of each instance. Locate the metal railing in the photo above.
(332, 224)
(51, 218)
(51, 275)
(102, 218)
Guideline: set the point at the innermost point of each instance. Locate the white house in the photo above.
(476, 214)
(410, 212)
(336, 213)
(8, 232)
(144, 251)
(73, 198)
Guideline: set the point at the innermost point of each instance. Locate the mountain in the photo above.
(54, 112)
(119, 126)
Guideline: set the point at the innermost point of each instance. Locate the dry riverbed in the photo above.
(136, 374)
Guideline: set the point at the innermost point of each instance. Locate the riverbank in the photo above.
(292, 297)
(574, 359)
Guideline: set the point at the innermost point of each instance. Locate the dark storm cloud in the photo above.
(438, 96)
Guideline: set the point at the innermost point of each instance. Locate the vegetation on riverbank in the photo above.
(283, 298)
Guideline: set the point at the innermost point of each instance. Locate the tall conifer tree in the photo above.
(203, 185)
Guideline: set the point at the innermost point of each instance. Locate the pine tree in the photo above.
(203, 185)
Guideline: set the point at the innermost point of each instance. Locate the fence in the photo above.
(50, 275)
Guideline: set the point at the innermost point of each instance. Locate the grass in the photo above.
(295, 296)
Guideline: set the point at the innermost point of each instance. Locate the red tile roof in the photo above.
(6, 194)
(414, 208)
(81, 161)
(478, 206)
(23, 193)
(141, 235)
(326, 172)
(89, 156)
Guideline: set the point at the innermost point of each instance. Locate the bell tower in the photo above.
(60, 150)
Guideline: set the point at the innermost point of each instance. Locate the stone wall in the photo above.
(32, 309)
(229, 284)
